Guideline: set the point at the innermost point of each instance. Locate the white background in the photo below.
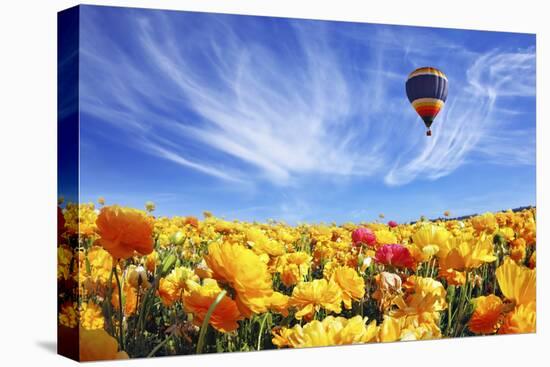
(28, 181)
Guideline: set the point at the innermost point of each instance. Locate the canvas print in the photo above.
(235, 183)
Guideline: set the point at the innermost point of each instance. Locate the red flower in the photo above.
(363, 235)
(392, 223)
(394, 255)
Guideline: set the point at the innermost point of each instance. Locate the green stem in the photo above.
(261, 330)
(160, 345)
(142, 307)
(120, 311)
(109, 306)
(204, 326)
(434, 269)
(466, 289)
(449, 318)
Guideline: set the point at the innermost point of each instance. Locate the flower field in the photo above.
(135, 285)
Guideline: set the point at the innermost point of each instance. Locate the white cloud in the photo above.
(469, 123)
(305, 109)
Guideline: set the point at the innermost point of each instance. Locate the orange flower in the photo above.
(487, 314)
(523, 319)
(123, 231)
(192, 221)
(518, 250)
(453, 277)
(198, 301)
(245, 272)
(129, 296)
(484, 222)
(278, 303)
(151, 261)
(97, 345)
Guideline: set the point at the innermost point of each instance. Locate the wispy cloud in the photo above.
(280, 101)
(469, 123)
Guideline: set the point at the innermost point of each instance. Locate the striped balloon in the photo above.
(427, 91)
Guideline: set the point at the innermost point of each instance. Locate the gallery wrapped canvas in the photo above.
(242, 183)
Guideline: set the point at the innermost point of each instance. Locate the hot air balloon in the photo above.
(427, 91)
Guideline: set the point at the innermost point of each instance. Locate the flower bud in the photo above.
(178, 238)
(167, 264)
(137, 277)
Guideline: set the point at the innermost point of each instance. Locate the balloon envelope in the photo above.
(427, 91)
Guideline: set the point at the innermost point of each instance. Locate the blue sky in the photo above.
(299, 120)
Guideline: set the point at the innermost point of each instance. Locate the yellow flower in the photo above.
(407, 328)
(310, 297)
(80, 219)
(261, 244)
(245, 272)
(429, 239)
(517, 283)
(487, 314)
(124, 231)
(331, 331)
(426, 296)
(64, 257)
(67, 315)
(461, 253)
(198, 301)
(293, 267)
(507, 233)
(97, 345)
(284, 337)
(523, 319)
(101, 264)
(351, 284)
(385, 237)
(390, 329)
(91, 316)
(172, 287)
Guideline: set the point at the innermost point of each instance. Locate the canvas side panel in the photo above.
(67, 181)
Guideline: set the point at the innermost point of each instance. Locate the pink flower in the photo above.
(394, 255)
(392, 223)
(363, 235)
